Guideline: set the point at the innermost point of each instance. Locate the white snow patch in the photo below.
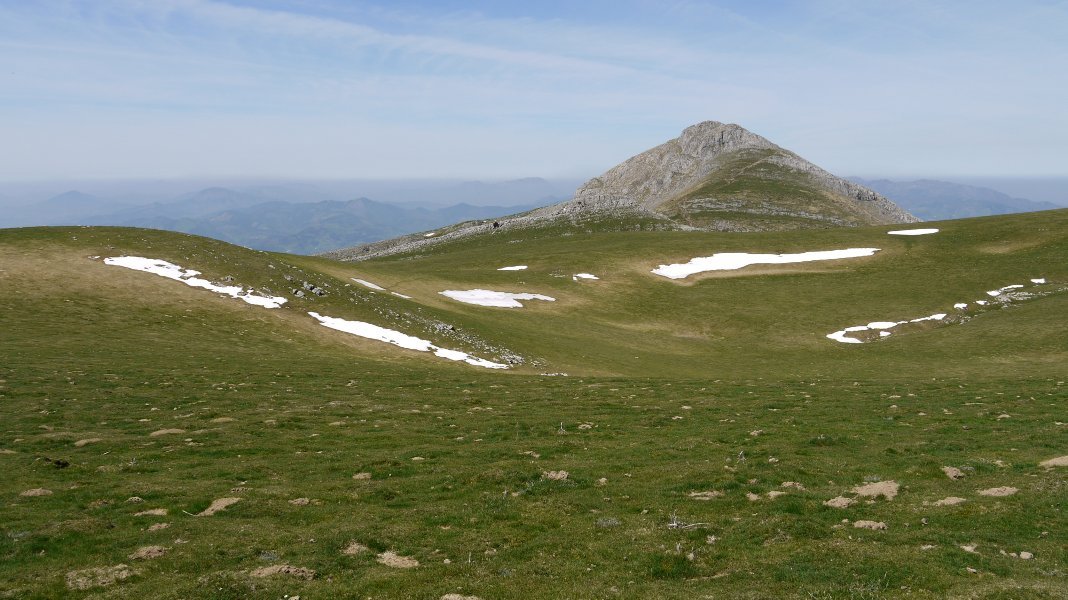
(513, 268)
(729, 261)
(189, 277)
(401, 296)
(880, 326)
(492, 298)
(981, 302)
(366, 283)
(912, 232)
(960, 305)
(374, 332)
(431, 234)
(1038, 281)
(999, 291)
(578, 276)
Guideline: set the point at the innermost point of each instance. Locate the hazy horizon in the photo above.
(118, 89)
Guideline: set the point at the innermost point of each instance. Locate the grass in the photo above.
(734, 390)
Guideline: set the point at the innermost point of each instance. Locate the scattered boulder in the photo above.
(873, 525)
(555, 475)
(953, 473)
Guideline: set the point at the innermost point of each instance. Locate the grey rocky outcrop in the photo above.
(643, 185)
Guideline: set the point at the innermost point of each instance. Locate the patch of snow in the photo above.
(880, 326)
(729, 261)
(999, 291)
(1038, 281)
(431, 234)
(912, 232)
(189, 277)
(492, 298)
(960, 305)
(981, 302)
(369, 284)
(374, 332)
(578, 276)
(514, 268)
(401, 296)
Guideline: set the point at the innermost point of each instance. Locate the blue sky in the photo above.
(350, 89)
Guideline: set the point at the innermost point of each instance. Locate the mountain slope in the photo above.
(714, 176)
(934, 200)
(710, 439)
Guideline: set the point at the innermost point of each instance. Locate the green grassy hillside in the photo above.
(687, 403)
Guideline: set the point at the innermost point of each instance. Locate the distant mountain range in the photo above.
(293, 218)
(933, 200)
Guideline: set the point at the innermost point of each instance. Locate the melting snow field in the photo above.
(883, 326)
(515, 268)
(578, 276)
(491, 298)
(374, 332)
(729, 261)
(880, 326)
(189, 277)
(912, 232)
(369, 284)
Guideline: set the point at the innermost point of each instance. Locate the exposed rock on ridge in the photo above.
(714, 176)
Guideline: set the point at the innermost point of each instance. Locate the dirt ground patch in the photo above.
(998, 492)
(36, 492)
(886, 489)
(839, 502)
(873, 525)
(86, 442)
(288, 570)
(1060, 461)
(953, 472)
(392, 559)
(951, 501)
(147, 553)
(354, 548)
(218, 505)
(152, 512)
(85, 579)
(160, 432)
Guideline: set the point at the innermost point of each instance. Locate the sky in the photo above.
(350, 89)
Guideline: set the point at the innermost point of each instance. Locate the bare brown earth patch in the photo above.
(998, 492)
(950, 501)
(953, 472)
(391, 559)
(218, 505)
(1060, 461)
(148, 553)
(555, 475)
(152, 512)
(223, 420)
(354, 548)
(86, 442)
(85, 579)
(886, 489)
(839, 502)
(36, 492)
(289, 570)
(158, 526)
(873, 525)
(707, 495)
(160, 432)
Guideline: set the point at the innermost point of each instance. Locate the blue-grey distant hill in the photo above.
(933, 200)
(311, 227)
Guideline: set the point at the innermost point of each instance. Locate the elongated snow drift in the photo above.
(189, 277)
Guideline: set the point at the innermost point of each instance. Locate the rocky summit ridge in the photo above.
(714, 176)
